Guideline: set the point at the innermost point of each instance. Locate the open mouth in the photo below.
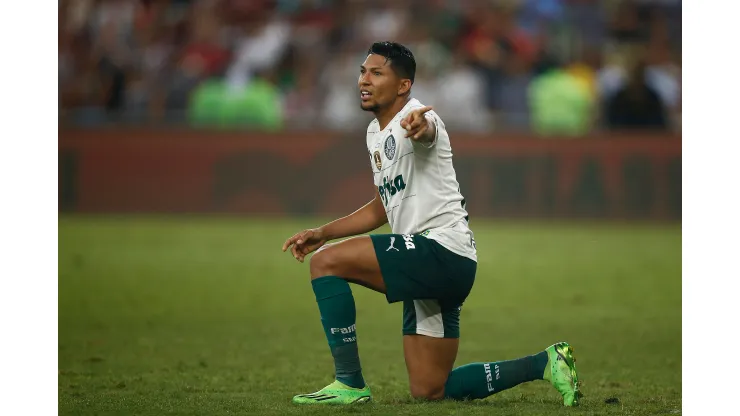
(365, 95)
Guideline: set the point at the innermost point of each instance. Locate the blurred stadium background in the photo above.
(556, 107)
(196, 135)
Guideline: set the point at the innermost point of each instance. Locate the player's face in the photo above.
(379, 85)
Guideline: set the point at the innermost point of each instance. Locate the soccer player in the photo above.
(428, 263)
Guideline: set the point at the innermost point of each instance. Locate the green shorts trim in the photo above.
(430, 280)
(431, 318)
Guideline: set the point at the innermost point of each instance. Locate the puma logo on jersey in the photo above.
(393, 241)
(391, 187)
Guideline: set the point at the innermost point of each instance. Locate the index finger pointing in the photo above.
(424, 109)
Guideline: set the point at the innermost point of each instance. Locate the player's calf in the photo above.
(483, 379)
(429, 361)
(426, 391)
(338, 316)
(479, 380)
(331, 268)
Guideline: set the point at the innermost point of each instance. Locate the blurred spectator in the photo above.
(382, 20)
(587, 21)
(341, 108)
(201, 56)
(257, 106)
(584, 68)
(661, 74)
(204, 53)
(301, 98)
(460, 100)
(512, 96)
(483, 44)
(625, 26)
(636, 105)
(536, 14)
(112, 30)
(561, 104)
(260, 47)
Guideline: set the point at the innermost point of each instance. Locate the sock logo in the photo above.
(344, 331)
(489, 376)
(393, 241)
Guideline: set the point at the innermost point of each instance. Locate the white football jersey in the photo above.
(417, 184)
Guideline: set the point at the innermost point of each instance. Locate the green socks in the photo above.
(480, 380)
(338, 315)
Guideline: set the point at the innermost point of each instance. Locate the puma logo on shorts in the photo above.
(393, 241)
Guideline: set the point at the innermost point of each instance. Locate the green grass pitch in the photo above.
(207, 316)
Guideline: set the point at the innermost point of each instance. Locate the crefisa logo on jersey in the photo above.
(390, 147)
(378, 161)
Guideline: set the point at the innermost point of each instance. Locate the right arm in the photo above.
(368, 218)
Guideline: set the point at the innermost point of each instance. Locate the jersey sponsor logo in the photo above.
(390, 147)
(391, 187)
(378, 161)
(409, 240)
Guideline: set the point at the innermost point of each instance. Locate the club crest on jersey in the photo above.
(378, 161)
(390, 147)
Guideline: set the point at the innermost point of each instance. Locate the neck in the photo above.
(385, 116)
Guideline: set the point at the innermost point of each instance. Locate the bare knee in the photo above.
(427, 392)
(323, 263)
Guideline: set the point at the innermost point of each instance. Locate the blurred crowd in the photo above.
(562, 67)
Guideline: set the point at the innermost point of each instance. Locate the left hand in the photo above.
(416, 123)
(305, 242)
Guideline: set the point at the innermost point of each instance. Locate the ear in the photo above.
(404, 87)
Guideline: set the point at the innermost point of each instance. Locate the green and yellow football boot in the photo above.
(561, 372)
(336, 393)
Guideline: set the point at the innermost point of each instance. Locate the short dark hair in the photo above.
(402, 60)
